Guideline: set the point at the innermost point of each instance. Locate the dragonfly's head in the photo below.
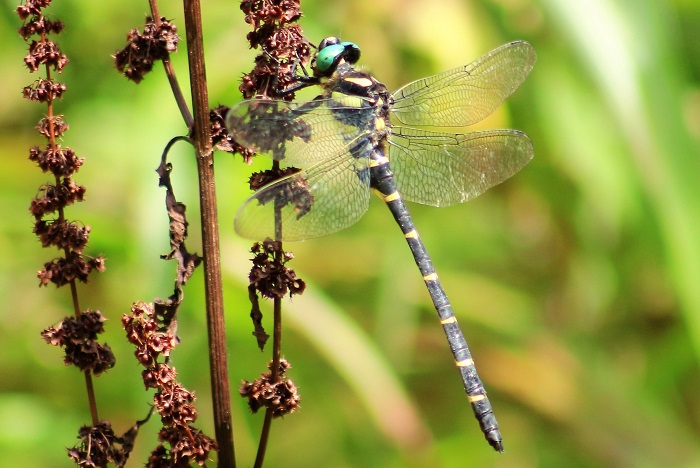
(332, 52)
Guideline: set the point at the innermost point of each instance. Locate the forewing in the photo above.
(330, 196)
(443, 169)
(298, 134)
(465, 95)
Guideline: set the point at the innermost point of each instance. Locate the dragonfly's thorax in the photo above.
(350, 87)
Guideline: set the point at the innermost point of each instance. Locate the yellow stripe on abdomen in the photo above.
(392, 197)
(430, 277)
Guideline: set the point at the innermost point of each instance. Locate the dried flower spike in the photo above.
(153, 336)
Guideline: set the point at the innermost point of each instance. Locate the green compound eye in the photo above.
(352, 52)
(331, 51)
(329, 55)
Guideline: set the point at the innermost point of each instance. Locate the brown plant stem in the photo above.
(91, 398)
(177, 93)
(264, 436)
(277, 334)
(276, 341)
(201, 135)
(170, 73)
(275, 372)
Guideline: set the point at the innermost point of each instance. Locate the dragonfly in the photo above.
(356, 138)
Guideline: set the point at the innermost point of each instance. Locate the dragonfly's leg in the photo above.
(298, 63)
(302, 82)
(309, 106)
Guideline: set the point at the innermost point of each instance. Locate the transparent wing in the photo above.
(328, 197)
(443, 169)
(299, 133)
(328, 141)
(465, 95)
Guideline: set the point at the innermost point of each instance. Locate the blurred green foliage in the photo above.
(576, 282)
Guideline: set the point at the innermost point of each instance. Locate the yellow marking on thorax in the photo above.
(447, 321)
(465, 363)
(412, 234)
(475, 398)
(360, 81)
(379, 161)
(346, 99)
(379, 125)
(430, 277)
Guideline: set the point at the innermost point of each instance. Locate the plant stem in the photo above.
(276, 338)
(201, 135)
(275, 371)
(170, 73)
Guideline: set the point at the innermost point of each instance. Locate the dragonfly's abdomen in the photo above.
(382, 180)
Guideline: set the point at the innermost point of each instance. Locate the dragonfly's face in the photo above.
(332, 52)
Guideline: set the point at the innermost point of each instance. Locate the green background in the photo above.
(577, 282)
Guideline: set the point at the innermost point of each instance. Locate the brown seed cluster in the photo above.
(100, 446)
(61, 162)
(269, 274)
(70, 235)
(280, 395)
(284, 46)
(52, 198)
(147, 335)
(143, 48)
(153, 337)
(78, 338)
(42, 51)
(44, 91)
(195, 447)
(222, 139)
(39, 23)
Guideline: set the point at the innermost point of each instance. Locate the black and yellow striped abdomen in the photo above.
(382, 181)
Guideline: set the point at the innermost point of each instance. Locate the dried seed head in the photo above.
(175, 404)
(53, 197)
(150, 338)
(221, 138)
(272, 12)
(100, 446)
(62, 234)
(61, 162)
(269, 275)
(186, 446)
(157, 41)
(53, 123)
(281, 396)
(45, 53)
(44, 90)
(38, 25)
(74, 266)
(78, 337)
